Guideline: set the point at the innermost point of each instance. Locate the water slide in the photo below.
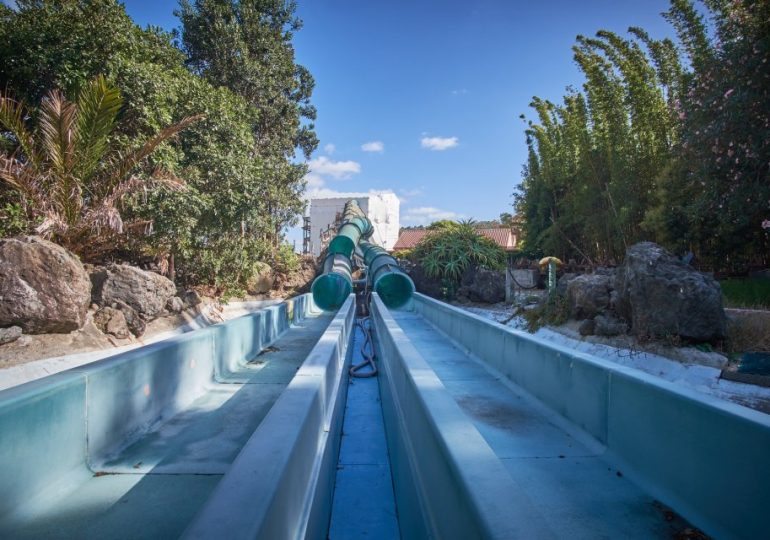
(255, 428)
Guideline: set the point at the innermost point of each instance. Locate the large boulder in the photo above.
(563, 282)
(480, 284)
(588, 295)
(43, 287)
(661, 296)
(145, 292)
(423, 283)
(608, 326)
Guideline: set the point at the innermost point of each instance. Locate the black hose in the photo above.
(510, 273)
(367, 350)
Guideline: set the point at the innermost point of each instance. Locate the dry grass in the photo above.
(748, 330)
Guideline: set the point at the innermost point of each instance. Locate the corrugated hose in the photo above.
(367, 351)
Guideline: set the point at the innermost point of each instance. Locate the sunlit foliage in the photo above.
(665, 142)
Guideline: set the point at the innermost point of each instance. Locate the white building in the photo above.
(382, 210)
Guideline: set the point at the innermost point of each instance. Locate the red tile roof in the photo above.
(409, 238)
(503, 237)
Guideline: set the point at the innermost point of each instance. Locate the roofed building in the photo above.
(502, 236)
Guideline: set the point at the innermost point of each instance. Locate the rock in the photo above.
(588, 295)
(112, 321)
(9, 334)
(135, 323)
(192, 298)
(422, 282)
(146, 292)
(604, 271)
(587, 327)
(480, 284)
(43, 287)
(561, 284)
(661, 296)
(175, 304)
(262, 282)
(608, 326)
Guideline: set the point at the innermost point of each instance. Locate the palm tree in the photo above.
(67, 172)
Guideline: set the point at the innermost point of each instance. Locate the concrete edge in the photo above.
(280, 481)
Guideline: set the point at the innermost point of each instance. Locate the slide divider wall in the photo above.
(448, 482)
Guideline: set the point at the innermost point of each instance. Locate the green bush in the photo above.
(13, 220)
(451, 247)
(227, 263)
(285, 260)
(234, 63)
(746, 293)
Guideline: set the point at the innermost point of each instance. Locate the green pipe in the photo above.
(385, 276)
(335, 283)
(355, 226)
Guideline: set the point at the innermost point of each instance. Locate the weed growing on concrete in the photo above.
(553, 310)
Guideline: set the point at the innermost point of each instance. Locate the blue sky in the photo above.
(422, 97)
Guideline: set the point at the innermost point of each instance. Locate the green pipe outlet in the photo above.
(335, 284)
(385, 276)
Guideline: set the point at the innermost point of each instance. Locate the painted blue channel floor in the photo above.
(154, 485)
(560, 469)
(364, 505)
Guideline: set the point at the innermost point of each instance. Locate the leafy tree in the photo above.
(66, 171)
(658, 146)
(724, 170)
(245, 46)
(242, 187)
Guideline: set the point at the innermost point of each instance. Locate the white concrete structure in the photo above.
(381, 208)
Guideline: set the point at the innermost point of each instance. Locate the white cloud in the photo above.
(405, 194)
(329, 148)
(339, 170)
(439, 143)
(459, 92)
(425, 215)
(313, 180)
(373, 146)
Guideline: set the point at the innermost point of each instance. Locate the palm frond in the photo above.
(12, 116)
(57, 126)
(98, 106)
(24, 178)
